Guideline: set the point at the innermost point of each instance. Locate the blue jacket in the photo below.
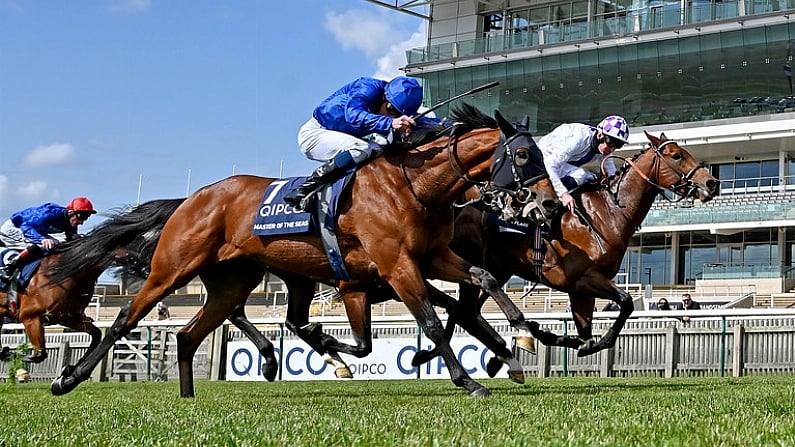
(353, 109)
(37, 223)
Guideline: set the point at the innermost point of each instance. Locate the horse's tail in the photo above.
(136, 230)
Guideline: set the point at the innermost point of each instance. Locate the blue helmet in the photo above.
(405, 94)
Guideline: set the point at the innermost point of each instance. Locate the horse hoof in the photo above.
(493, 366)
(37, 357)
(516, 376)
(420, 358)
(343, 373)
(61, 386)
(526, 343)
(588, 348)
(269, 371)
(480, 392)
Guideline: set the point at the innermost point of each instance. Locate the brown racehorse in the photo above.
(64, 301)
(528, 167)
(394, 226)
(126, 239)
(581, 258)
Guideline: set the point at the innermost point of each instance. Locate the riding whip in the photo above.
(459, 96)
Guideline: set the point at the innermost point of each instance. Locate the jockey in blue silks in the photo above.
(336, 132)
(30, 230)
(570, 146)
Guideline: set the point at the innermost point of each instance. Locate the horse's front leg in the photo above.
(407, 282)
(609, 338)
(451, 267)
(301, 292)
(466, 313)
(34, 327)
(5, 351)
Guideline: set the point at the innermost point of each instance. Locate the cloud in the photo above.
(370, 33)
(395, 58)
(376, 36)
(54, 154)
(32, 190)
(129, 6)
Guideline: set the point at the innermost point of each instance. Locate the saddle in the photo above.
(275, 217)
(18, 281)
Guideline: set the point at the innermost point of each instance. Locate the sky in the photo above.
(125, 101)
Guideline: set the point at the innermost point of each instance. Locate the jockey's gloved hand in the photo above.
(606, 180)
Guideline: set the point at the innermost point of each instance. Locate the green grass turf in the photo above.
(551, 412)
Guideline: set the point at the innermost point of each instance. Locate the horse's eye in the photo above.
(522, 157)
(676, 156)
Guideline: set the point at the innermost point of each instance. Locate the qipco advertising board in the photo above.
(390, 359)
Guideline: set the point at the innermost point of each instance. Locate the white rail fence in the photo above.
(714, 342)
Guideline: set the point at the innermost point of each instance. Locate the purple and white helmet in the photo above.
(615, 127)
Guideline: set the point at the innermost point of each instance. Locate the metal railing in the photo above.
(631, 24)
(713, 342)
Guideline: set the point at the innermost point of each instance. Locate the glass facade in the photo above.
(689, 79)
(655, 75)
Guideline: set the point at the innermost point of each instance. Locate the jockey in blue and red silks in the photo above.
(336, 132)
(31, 229)
(570, 146)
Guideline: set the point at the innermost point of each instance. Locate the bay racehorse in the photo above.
(63, 300)
(393, 228)
(583, 252)
(126, 239)
(519, 162)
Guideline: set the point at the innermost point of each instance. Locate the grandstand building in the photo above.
(716, 75)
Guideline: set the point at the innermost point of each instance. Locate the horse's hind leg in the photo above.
(84, 324)
(167, 275)
(263, 345)
(228, 285)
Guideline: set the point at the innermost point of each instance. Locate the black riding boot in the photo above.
(324, 173)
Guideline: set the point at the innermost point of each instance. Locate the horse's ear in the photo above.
(655, 142)
(526, 122)
(506, 127)
(663, 138)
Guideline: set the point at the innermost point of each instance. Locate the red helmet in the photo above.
(81, 204)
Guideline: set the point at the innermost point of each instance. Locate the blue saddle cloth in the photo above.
(274, 217)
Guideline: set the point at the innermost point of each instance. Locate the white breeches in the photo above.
(321, 144)
(12, 236)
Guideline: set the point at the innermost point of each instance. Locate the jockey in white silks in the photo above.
(570, 146)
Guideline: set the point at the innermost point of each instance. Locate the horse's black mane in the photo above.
(467, 118)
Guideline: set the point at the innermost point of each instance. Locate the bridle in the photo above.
(683, 188)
